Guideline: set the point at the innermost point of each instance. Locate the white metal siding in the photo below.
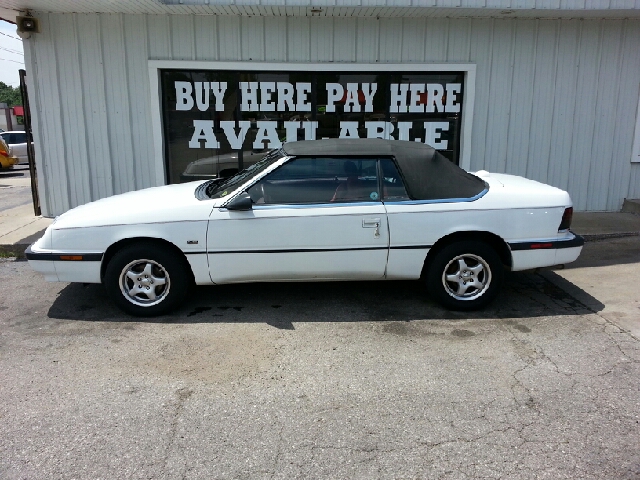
(555, 100)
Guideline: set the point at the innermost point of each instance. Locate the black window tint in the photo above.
(319, 180)
(392, 185)
(20, 137)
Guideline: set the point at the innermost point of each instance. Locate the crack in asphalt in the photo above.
(183, 395)
(615, 341)
(278, 453)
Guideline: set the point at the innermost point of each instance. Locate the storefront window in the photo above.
(216, 122)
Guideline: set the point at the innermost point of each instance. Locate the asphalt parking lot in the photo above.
(329, 380)
(15, 187)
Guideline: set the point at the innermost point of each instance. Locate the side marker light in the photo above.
(70, 257)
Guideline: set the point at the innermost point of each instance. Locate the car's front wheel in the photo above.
(146, 279)
(465, 275)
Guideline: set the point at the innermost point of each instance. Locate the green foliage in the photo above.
(10, 95)
(12, 251)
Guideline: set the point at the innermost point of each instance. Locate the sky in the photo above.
(11, 58)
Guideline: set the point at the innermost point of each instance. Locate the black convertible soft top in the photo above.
(427, 174)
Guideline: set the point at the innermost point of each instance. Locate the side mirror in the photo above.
(241, 202)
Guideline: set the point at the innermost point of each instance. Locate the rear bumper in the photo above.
(545, 253)
(571, 242)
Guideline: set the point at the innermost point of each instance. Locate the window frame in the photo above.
(400, 176)
(379, 182)
(320, 204)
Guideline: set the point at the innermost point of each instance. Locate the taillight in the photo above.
(566, 219)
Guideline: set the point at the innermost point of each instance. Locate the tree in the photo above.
(10, 95)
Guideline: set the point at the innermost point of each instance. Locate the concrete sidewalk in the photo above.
(597, 225)
(19, 227)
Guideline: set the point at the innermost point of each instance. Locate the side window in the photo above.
(20, 138)
(392, 184)
(319, 180)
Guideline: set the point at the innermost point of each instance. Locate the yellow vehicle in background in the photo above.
(7, 161)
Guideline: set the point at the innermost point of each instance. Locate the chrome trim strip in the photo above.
(299, 250)
(443, 200)
(315, 205)
(411, 247)
(348, 204)
(314, 250)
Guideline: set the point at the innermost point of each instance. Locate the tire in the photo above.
(465, 275)
(163, 278)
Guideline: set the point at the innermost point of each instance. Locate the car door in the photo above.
(311, 219)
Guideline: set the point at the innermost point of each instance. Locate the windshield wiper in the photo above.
(243, 174)
(212, 185)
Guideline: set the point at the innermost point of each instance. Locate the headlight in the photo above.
(45, 242)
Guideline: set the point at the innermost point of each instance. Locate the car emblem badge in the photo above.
(192, 242)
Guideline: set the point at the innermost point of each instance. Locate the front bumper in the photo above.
(65, 266)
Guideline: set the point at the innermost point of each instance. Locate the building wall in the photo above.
(555, 100)
(8, 120)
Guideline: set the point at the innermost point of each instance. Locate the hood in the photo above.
(158, 204)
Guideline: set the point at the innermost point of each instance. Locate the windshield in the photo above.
(222, 189)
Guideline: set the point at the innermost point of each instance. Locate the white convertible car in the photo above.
(315, 210)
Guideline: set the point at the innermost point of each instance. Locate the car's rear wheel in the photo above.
(465, 275)
(146, 279)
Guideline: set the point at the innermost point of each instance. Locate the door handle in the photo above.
(372, 223)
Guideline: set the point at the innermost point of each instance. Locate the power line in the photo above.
(7, 60)
(10, 36)
(10, 50)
